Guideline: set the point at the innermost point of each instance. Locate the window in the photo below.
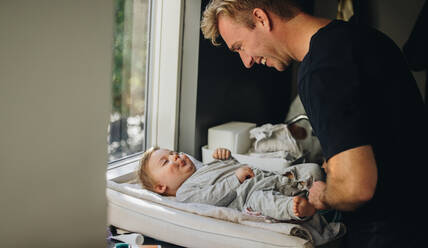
(126, 131)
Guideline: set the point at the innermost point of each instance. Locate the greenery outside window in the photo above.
(126, 131)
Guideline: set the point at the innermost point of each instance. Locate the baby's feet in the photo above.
(302, 207)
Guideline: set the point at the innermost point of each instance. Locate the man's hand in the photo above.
(221, 153)
(244, 173)
(315, 195)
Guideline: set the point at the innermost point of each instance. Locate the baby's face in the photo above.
(169, 170)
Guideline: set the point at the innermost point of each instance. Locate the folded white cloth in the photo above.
(274, 141)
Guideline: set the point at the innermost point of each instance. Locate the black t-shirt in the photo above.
(357, 90)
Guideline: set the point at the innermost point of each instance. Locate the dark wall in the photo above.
(227, 91)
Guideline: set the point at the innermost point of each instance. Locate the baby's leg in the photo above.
(302, 207)
(308, 171)
(276, 205)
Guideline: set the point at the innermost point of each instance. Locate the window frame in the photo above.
(163, 78)
(165, 71)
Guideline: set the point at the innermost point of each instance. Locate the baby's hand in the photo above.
(244, 173)
(221, 153)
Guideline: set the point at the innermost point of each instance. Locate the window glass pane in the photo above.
(130, 54)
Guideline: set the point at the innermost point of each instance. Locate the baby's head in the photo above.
(163, 171)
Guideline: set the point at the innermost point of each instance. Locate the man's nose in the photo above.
(247, 60)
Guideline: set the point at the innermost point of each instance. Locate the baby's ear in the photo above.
(160, 188)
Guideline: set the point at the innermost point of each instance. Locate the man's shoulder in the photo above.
(335, 31)
(341, 44)
(341, 31)
(344, 39)
(335, 41)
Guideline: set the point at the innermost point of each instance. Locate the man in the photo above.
(357, 91)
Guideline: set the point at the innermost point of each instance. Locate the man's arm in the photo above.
(351, 180)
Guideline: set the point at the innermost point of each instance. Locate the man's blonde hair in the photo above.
(143, 173)
(240, 11)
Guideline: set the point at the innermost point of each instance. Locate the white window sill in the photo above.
(123, 166)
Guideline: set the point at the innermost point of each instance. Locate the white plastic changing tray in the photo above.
(180, 227)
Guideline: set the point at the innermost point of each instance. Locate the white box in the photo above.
(234, 136)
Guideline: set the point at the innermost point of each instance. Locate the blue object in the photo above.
(122, 245)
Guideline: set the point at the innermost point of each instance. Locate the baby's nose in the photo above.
(175, 157)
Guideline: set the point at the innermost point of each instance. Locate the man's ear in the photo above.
(261, 17)
(160, 188)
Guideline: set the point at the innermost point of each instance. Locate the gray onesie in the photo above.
(269, 193)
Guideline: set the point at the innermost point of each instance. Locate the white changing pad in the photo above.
(193, 224)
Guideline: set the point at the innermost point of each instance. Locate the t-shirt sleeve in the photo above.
(337, 107)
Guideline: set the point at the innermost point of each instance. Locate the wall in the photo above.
(227, 91)
(55, 79)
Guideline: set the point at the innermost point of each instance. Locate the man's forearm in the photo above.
(335, 196)
(351, 178)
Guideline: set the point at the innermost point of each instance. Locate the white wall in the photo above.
(55, 79)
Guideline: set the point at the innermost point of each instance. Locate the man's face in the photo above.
(252, 45)
(169, 169)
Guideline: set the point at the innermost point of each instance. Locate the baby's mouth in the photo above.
(183, 162)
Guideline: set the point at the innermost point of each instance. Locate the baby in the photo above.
(227, 183)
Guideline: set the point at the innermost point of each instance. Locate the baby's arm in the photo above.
(221, 153)
(219, 194)
(244, 173)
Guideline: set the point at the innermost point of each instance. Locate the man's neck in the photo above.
(297, 32)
